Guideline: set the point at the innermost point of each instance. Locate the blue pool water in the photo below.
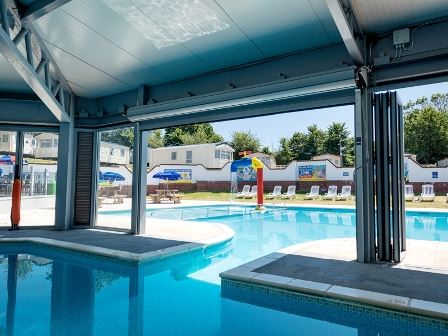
(51, 292)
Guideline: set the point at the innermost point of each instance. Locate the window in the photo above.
(226, 155)
(5, 138)
(111, 151)
(217, 154)
(55, 142)
(189, 157)
(122, 153)
(173, 156)
(46, 143)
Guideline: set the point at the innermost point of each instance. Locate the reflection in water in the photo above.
(59, 293)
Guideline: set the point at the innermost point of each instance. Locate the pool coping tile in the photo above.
(226, 235)
(245, 273)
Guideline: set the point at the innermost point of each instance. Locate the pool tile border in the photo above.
(245, 274)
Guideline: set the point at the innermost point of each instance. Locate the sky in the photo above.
(271, 128)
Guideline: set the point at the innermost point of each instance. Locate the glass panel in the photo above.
(7, 158)
(39, 171)
(115, 179)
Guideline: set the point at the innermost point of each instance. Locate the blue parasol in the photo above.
(168, 176)
(111, 176)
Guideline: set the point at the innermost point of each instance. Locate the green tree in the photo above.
(336, 136)
(191, 134)
(244, 141)
(124, 136)
(283, 155)
(156, 139)
(426, 133)
(348, 155)
(314, 144)
(296, 146)
(266, 150)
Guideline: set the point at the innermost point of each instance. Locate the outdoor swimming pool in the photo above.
(61, 293)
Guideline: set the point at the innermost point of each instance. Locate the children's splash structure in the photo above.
(246, 163)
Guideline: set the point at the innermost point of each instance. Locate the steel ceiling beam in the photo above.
(40, 8)
(348, 28)
(13, 55)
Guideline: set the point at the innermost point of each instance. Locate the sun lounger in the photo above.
(346, 194)
(313, 194)
(252, 193)
(409, 192)
(331, 194)
(244, 192)
(427, 194)
(290, 193)
(277, 192)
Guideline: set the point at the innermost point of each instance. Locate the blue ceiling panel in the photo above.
(282, 26)
(10, 81)
(94, 82)
(105, 45)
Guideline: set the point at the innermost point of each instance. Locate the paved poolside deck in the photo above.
(328, 268)
(164, 238)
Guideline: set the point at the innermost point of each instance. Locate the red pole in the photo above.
(16, 197)
(260, 187)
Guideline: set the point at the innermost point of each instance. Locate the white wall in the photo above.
(200, 173)
(418, 173)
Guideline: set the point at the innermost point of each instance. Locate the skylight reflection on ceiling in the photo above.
(169, 22)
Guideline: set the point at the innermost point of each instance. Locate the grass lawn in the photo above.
(439, 203)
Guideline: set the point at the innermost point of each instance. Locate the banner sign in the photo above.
(312, 173)
(186, 175)
(246, 174)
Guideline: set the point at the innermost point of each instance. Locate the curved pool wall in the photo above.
(314, 222)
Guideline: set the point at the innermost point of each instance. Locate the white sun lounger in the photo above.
(409, 192)
(331, 194)
(244, 192)
(252, 193)
(427, 193)
(290, 193)
(346, 193)
(313, 194)
(277, 192)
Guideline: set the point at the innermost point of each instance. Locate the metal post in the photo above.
(379, 178)
(395, 181)
(384, 132)
(31, 181)
(139, 180)
(401, 175)
(94, 178)
(365, 231)
(4, 16)
(65, 175)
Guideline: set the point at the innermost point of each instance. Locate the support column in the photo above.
(364, 177)
(139, 180)
(63, 215)
(65, 171)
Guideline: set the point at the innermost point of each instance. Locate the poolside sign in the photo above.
(186, 175)
(312, 173)
(246, 174)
